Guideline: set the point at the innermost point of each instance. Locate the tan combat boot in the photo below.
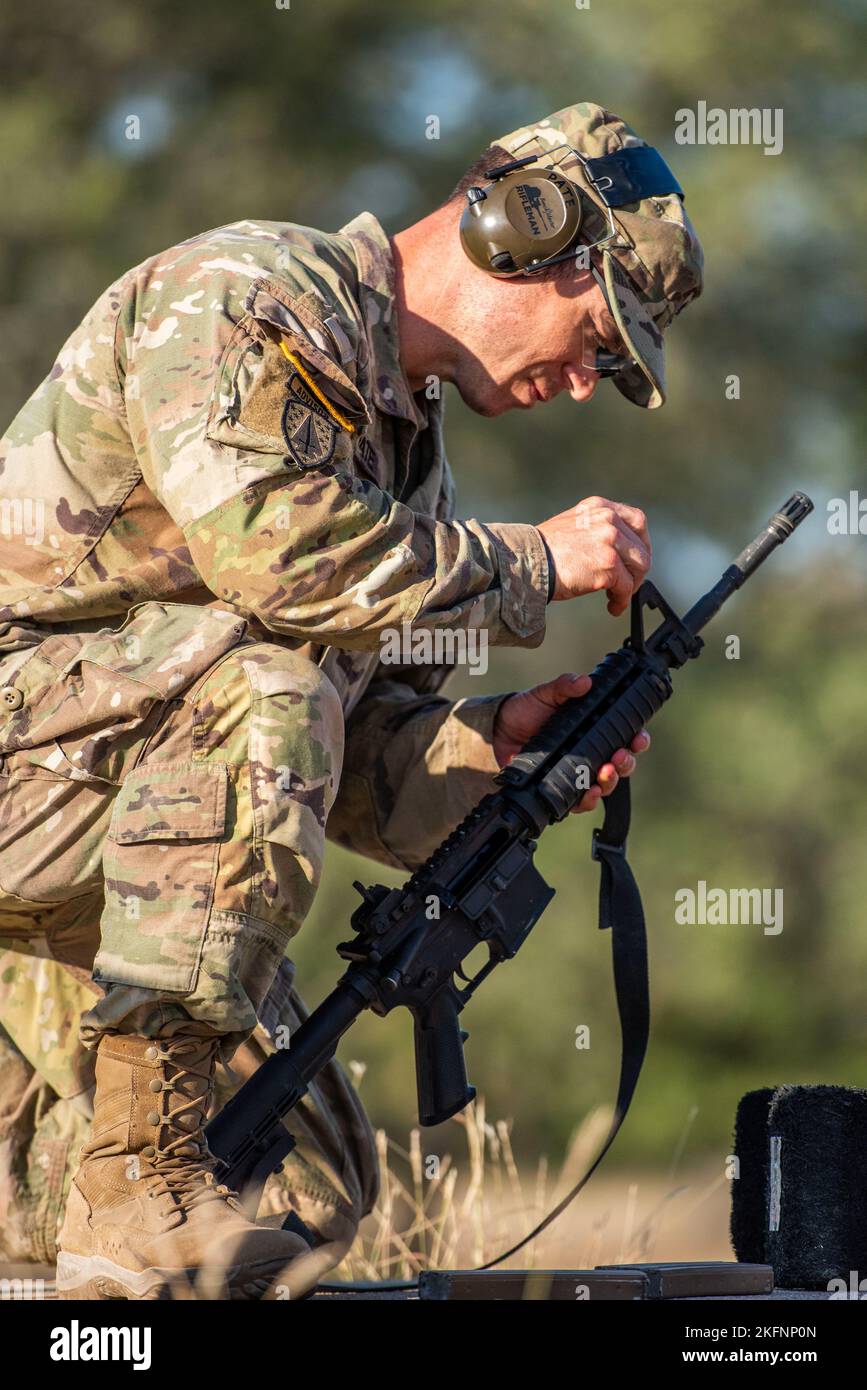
(146, 1216)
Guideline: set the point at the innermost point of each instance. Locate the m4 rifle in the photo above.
(481, 887)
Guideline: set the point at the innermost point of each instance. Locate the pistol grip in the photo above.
(440, 1067)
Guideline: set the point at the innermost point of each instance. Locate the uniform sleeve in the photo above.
(414, 765)
(257, 460)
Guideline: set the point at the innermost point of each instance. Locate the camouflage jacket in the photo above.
(231, 426)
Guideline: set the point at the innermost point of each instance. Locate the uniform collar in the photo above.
(376, 297)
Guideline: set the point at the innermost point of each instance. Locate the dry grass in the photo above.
(452, 1215)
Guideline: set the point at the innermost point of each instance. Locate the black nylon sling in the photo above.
(621, 911)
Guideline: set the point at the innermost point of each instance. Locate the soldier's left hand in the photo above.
(522, 715)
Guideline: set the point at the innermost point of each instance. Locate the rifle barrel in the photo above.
(778, 529)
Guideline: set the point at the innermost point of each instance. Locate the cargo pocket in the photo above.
(160, 865)
(163, 647)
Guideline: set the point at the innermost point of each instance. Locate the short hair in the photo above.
(477, 174)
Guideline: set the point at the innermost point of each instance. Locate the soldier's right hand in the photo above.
(598, 545)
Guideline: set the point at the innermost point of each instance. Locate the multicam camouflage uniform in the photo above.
(216, 504)
(203, 540)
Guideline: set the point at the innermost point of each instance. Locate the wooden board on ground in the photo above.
(607, 1283)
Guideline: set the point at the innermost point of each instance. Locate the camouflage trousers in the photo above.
(164, 789)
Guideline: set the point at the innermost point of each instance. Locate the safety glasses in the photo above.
(601, 360)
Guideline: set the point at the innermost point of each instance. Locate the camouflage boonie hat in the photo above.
(652, 264)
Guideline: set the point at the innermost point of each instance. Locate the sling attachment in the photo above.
(620, 909)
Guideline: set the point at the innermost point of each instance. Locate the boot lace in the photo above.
(182, 1161)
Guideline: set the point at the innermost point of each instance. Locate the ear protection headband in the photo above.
(526, 218)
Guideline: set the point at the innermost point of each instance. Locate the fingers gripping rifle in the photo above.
(481, 886)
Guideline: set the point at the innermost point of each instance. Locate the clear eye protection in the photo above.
(596, 358)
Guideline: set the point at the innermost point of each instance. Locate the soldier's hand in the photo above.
(521, 716)
(598, 545)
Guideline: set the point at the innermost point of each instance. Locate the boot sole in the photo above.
(93, 1277)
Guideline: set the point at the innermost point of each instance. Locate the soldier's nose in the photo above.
(580, 381)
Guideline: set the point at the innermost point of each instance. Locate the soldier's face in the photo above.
(524, 341)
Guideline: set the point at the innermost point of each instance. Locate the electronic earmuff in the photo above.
(528, 216)
(521, 220)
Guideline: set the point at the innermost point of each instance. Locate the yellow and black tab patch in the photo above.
(308, 429)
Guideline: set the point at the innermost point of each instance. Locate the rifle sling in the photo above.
(620, 909)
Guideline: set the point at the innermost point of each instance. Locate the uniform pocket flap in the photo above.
(181, 801)
(299, 322)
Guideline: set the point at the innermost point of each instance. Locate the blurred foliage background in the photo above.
(313, 112)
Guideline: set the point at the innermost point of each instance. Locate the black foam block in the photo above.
(750, 1189)
(800, 1202)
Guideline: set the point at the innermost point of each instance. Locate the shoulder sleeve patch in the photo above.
(309, 431)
